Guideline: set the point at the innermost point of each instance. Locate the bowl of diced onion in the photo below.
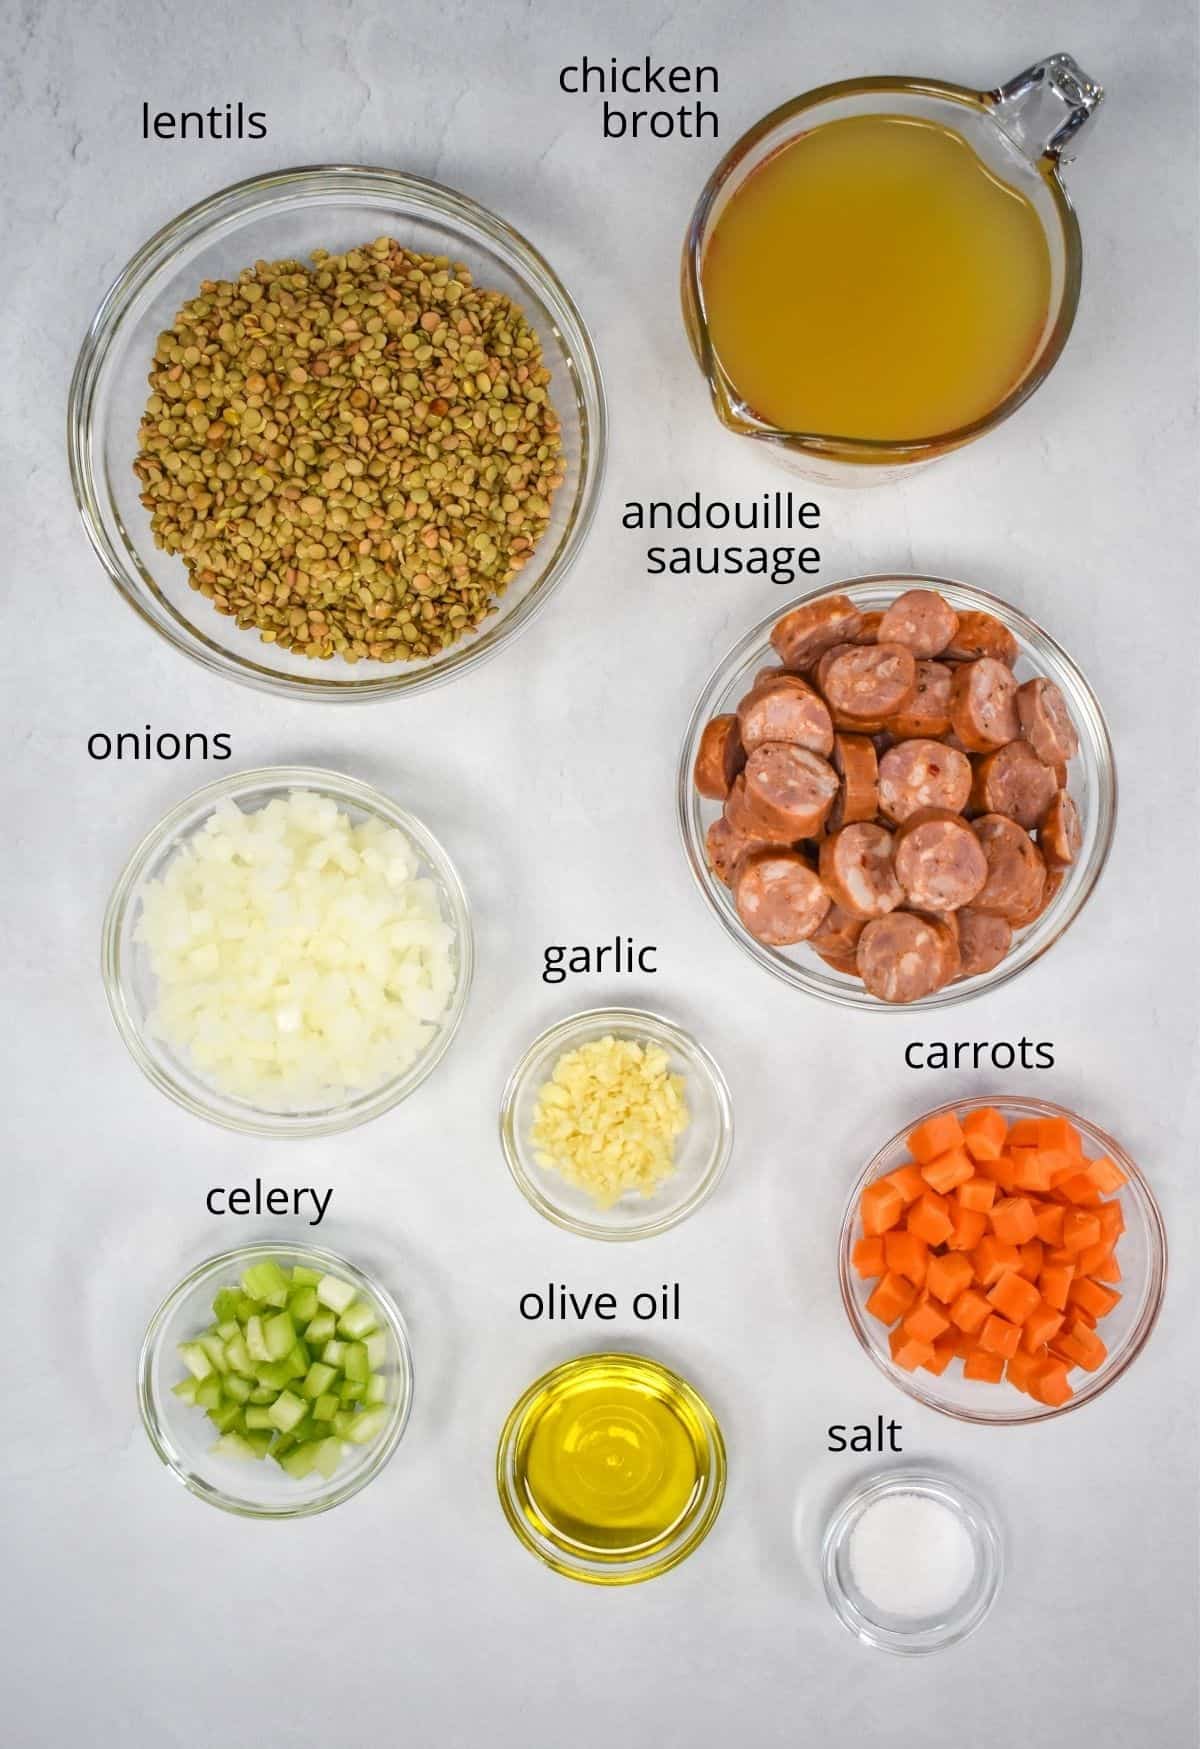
(288, 953)
(276, 1380)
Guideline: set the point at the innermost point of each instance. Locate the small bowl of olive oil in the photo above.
(611, 1469)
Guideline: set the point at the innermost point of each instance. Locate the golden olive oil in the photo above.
(611, 1468)
(874, 279)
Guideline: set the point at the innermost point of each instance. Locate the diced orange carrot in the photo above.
(881, 1208)
(1055, 1283)
(907, 1352)
(1050, 1384)
(1049, 1219)
(1080, 1190)
(1082, 1315)
(925, 1323)
(1093, 1296)
(1012, 1220)
(1107, 1269)
(964, 1343)
(1081, 1345)
(1002, 1171)
(949, 1275)
(998, 1336)
(1014, 1297)
(1093, 1257)
(1105, 1174)
(991, 1258)
(977, 1193)
(984, 1132)
(891, 1298)
(950, 1169)
(970, 1311)
(929, 1220)
(1059, 1133)
(868, 1258)
(1041, 1326)
(1031, 1169)
(970, 1225)
(1020, 1370)
(934, 1136)
(1033, 1256)
(1024, 1133)
(907, 1255)
(907, 1180)
(983, 1365)
(1111, 1217)
(1081, 1228)
(943, 1354)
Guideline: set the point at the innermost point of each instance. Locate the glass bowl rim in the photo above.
(239, 1256)
(631, 1021)
(200, 802)
(279, 190)
(688, 1535)
(1137, 1186)
(871, 449)
(929, 1482)
(799, 976)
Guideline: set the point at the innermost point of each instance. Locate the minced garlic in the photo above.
(608, 1118)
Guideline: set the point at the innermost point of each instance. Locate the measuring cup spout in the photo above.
(1043, 108)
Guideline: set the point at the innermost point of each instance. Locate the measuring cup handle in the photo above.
(1043, 108)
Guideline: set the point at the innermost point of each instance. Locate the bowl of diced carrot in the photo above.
(1002, 1260)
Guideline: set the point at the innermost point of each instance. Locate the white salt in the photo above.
(911, 1556)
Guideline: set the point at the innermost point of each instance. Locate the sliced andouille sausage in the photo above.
(788, 791)
(719, 759)
(1016, 873)
(922, 774)
(822, 667)
(946, 923)
(726, 846)
(938, 861)
(927, 714)
(857, 764)
(785, 710)
(983, 941)
(1013, 781)
(981, 634)
(1054, 880)
(804, 634)
(846, 963)
(983, 705)
(902, 957)
(1046, 722)
(1060, 834)
(779, 896)
(838, 932)
(870, 682)
(868, 631)
(856, 867)
(920, 619)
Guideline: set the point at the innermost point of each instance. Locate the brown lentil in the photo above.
(354, 457)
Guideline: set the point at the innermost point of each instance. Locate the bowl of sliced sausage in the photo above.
(897, 792)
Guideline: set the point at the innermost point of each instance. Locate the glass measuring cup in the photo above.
(1024, 131)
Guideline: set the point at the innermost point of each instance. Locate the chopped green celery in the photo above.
(262, 1394)
(237, 1388)
(255, 1341)
(342, 1422)
(302, 1304)
(321, 1328)
(234, 1445)
(277, 1374)
(258, 1417)
(284, 1442)
(246, 1308)
(259, 1443)
(279, 1334)
(238, 1356)
(376, 1389)
(195, 1359)
(354, 1362)
(302, 1277)
(325, 1407)
(334, 1353)
(367, 1425)
(226, 1417)
(302, 1461)
(329, 1456)
(226, 1304)
(299, 1359)
(349, 1391)
(377, 1349)
(357, 1321)
(286, 1411)
(334, 1293)
(212, 1345)
(208, 1392)
(266, 1281)
(228, 1328)
(186, 1388)
(318, 1378)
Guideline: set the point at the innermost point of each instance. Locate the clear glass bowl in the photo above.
(1093, 785)
(182, 1435)
(1142, 1252)
(911, 1635)
(130, 984)
(598, 1559)
(280, 216)
(702, 1151)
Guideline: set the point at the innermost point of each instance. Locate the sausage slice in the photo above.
(903, 957)
(939, 861)
(1013, 781)
(981, 634)
(922, 774)
(1060, 835)
(920, 619)
(927, 714)
(856, 867)
(719, 759)
(983, 705)
(788, 791)
(857, 764)
(870, 682)
(838, 932)
(785, 709)
(726, 846)
(1016, 873)
(778, 896)
(983, 941)
(805, 633)
(1046, 722)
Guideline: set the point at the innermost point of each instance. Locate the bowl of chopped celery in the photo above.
(276, 1381)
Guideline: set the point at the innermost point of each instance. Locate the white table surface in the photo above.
(133, 1614)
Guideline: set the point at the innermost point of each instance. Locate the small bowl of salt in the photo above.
(911, 1562)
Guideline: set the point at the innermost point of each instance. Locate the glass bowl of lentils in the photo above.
(337, 432)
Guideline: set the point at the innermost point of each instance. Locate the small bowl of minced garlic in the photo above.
(616, 1124)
